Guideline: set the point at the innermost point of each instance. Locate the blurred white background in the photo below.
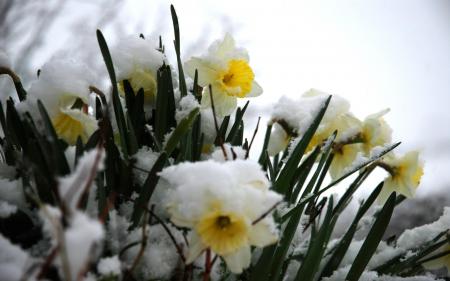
(377, 54)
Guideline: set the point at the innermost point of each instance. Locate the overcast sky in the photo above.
(376, 54)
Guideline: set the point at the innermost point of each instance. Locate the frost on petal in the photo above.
(239, 260)
(72, 186)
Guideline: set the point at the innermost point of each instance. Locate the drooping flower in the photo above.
(404, 174)
(224, 205)
(343, 158)
(66, 100)
(226, 68)
(279, 140)
(375, 131)
(296, 115)
(138, 60)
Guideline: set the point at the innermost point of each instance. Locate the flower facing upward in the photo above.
(405, 174)
(227, 70)
(66, 100)
(223, 204)
(137, 60)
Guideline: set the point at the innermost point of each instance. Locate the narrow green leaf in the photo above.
(354, 170)
(317, 246)
(286, 174)
(176, 29)
(165, 103)
(237, 123)
(344, 243)
(372, 240)
(301, 175)
(62, 166)
(220, 138)
(147, 189)
(120, 117)
(180, 131)
(263, 156)
(133, 148)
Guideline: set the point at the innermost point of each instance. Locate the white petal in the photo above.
(223, 103)
(278, 141)
(263, 233)
(207, 73)
(196, 247)
(239, 260)
(378, 114)
(255, 91)
(221, 48)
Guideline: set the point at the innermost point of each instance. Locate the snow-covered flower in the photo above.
(224, 204)
(66, 100)
(226, 68)
(404, 174)
(138, 60)
(294, 116)
(279, 140)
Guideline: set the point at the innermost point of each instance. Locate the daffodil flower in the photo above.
(375, 131)
(226, 68)
(138, 60)
(66, 100)
(224, 205)
(278, 141)
(404, 174)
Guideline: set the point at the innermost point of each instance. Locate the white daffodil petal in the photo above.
(278, 140)
(255, 91)
(196, 247)
(263, 233)
(238, 260)
(223, 104)
(206, 72)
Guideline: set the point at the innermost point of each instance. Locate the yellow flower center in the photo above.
(68, 128)
(145, 80)
(223, 232)
(237, 79)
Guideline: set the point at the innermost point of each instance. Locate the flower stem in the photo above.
(207, 265)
